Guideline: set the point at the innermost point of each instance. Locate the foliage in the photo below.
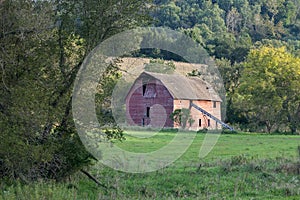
(204, 130)
(194, 72)
(43, 44)
(182, 117)
(103, 96)
(160, 66)
(115, 133)
(268, 92)
(226, 28)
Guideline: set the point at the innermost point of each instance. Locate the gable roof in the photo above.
(182, 87)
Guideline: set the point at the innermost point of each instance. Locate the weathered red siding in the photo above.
(156, 97)
(153, 104)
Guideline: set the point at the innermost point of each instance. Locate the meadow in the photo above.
(240, 166)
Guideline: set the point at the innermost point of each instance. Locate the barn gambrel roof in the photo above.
(182, 87)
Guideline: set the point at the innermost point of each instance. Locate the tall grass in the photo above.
(234, 170)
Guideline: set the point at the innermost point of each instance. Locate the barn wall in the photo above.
(161, 104)
(196, 115)
(132, 112)
(156, 97)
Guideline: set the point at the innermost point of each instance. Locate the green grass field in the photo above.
(258, 145)
(241, 166)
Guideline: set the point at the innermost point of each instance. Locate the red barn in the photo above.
(153, 98)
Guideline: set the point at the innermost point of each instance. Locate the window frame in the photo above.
(214, 104)
(147, 111)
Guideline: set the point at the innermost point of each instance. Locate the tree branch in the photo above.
(94, 179)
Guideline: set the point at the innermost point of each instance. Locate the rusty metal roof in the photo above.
(182, 87)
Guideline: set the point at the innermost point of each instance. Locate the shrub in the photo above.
(227, 131)
(204, 130)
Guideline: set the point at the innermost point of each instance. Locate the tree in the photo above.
(273, 8)
(233, 21)
(43, 44)
(230, 74)
(182, 117)
(269, 88)
(168, 15)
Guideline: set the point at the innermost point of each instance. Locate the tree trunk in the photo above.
(269, 126)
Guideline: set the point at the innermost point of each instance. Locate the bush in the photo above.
(227, 131)
(30, 157)
(204, 130)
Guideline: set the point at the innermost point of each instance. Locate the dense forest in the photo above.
(238, 34)
(43, 44)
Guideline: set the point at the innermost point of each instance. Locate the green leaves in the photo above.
(269, 81)
(42, 46)
(182, 117)
(160, 66)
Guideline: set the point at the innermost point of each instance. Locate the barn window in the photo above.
(200, 123)
(208, 122)
(144, 89)
(148, 112)
(149, 91)
(143, 122)
(214, 104)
